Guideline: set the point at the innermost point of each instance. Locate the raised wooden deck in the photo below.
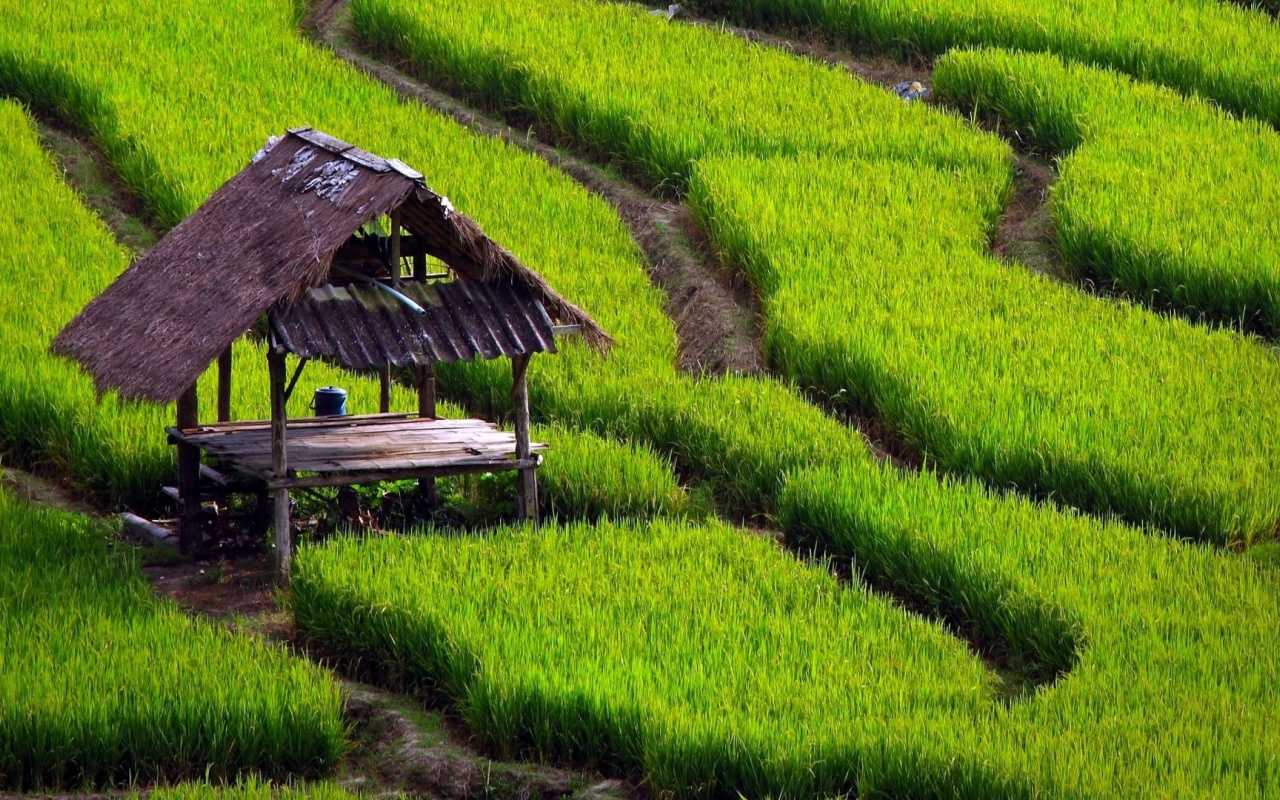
(337, 451)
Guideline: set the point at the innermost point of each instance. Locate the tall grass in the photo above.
(656, 97)
(741, 435)
(1219, 50)
(991, 370)
(1169, 198)
(250, 789)
(575, 595)
(55, 256)
(878, 295)
(714, 666)
(102, 684)
(706, 662)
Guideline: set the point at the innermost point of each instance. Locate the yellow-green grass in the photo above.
(1168, 198)
(893, 312)
(1221, 51)
(698, 660)
(251, 788)
(55, 256)
(710, 664)
(739, 434)
(743, 435)
(656, 97)
(102, 684)
(1173, 693)
(879, 295)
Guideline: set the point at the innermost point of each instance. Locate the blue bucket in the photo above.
(330, 401)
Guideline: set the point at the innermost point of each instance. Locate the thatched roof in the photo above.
(261, 241)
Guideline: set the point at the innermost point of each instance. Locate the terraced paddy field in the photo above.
(1027, 523)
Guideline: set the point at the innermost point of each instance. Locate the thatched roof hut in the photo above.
(267, 237)
(297, 237)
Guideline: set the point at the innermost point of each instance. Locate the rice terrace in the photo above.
(589, 399)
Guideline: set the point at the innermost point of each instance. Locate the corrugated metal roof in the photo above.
(364, 327)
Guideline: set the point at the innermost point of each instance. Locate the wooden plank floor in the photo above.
(370, 443)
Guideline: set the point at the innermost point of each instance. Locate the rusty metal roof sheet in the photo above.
(364, 327)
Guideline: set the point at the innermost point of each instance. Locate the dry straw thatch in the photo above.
(262, 239)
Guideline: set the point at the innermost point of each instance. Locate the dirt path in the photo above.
(399, 745)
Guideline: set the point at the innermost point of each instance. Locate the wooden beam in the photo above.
(147, 530)
(224, 385)
(419, 267)
(297, 373)
(280, 466)
(384, 388)
(426, 380)
(527, 482)
(190, 530)
(404, 474)
(395, 247)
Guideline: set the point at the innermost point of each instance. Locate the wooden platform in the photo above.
(336, 451)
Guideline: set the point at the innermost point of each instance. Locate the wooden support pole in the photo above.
(190, 533)
(384, 389)
(224, 385)
(420, 267)
(280, 466)
(395, 247)
(527, 479)
(426, 380)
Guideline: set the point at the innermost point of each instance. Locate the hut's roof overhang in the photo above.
(262, 242)
(363, 327)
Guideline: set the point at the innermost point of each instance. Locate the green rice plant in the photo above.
(740, 435)
(706, 662)
(1223, 52)
(878, 295)
(990, 370)
(554, 605)
(102, 684)
(250, 789)
(1168, 198)
(710, 664)
(51, 417)
(588, 477)
(656, 97)
(1173, 694)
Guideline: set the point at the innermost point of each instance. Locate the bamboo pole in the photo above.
(280, 466)
(190, 535)
(527, 481)
(426, 380)
(384, 388)
(224, 385)
(395, 248)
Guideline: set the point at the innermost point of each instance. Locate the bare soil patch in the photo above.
(43, 492)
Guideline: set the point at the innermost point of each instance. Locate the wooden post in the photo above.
(395, 247)
(280, 466)
(384, 388)
(426, 379)
(527, 480)
(420, 267)
(224, 385)
(190, 535)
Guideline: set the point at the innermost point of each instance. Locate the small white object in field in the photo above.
(669, 13)
(911, 90)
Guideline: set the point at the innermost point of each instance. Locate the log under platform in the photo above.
(347, 450)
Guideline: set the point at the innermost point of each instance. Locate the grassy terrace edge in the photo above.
(1125, 449)
(101, 684)
(729, 430)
